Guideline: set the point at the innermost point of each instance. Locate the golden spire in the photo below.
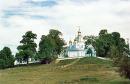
(79, 29)
(79, 32)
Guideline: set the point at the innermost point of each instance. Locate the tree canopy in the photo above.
(113, 46)
(27, 49)
(50, 46)
(6, 58)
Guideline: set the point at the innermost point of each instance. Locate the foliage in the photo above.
(50, 46)
(90, 40)
(27, 49)
(2, 64)
(103, 32)
(89, 52)
(125, 67)
(103, 44)
(6, 58)
(106, 43)
(113, 46)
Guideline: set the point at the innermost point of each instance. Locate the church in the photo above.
(78, 49)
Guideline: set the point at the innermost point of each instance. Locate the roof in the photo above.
(74, 48)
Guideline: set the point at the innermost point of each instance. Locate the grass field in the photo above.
(84, 71)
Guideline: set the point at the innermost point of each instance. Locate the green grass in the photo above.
(93, 60)
(85, 71)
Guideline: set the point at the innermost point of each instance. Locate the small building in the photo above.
(78, 49)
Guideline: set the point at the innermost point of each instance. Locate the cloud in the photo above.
(42, 3)
(64, 15)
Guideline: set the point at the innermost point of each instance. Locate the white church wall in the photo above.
(75, 54)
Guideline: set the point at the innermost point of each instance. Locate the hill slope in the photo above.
(81, 71)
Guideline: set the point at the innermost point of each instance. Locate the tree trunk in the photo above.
(27, 61)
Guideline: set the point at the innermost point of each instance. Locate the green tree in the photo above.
(2, 64)
(114, 54)
(27, 49)
(112, 45)
(90, 40)
(118, 47)
(103, 44)
(6, 58)
(50, 46)
(103, 32)
(89, 52)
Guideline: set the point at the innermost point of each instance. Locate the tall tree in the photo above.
(90, 40)
(27, 49)
(103, 43)
(89, 52)
(50, 46)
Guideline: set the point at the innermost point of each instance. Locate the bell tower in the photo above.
(79, 32)
(79, 38)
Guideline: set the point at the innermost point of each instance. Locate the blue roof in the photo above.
(73, 48)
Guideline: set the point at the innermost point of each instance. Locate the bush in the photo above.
(6, 58)
(125, 67)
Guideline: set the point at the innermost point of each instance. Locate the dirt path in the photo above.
(57, 61)
(72, 63)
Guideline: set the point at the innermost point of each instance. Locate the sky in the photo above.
(39, 16)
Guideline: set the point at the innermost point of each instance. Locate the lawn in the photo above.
(84, 71)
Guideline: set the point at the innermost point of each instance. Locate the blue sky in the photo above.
(19, 16)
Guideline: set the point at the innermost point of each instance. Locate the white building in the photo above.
(78, 49)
